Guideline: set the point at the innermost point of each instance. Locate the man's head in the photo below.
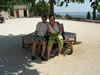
(44, 18)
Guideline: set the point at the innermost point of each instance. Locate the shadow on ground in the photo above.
(78, 42)
(15, 60)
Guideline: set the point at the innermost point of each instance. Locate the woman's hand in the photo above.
(54, 37)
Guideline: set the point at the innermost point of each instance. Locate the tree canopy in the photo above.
(7, 5)
(94, 4)
(36, 8)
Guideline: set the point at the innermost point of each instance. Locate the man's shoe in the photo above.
(33, 57)
(47, 58)
(42, 58)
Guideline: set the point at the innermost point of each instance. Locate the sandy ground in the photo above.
(14, 60)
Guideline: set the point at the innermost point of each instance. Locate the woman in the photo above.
(54, 31)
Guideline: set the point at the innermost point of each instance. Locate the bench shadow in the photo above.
(14, 59)
(65, 50)
(78, 42)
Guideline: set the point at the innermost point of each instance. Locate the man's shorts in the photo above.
(41, 38)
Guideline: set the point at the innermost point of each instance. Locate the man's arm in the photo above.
(37, 28)
(35, 35)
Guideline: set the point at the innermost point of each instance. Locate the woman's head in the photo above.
(51, 17)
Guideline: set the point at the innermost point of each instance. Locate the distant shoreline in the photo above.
(76, 14)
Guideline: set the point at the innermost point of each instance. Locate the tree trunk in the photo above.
(51, 7)
(94, 14)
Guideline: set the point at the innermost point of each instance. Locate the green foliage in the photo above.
(39, 8)
(98, 17)
(88, 15)
(42, 8)
(57, 15)
(98, 8)
(68, 16)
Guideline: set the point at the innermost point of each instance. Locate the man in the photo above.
(40, 32)
(1, 19)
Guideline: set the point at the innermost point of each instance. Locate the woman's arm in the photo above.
(60, 28)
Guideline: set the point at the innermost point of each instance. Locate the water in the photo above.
(76, 14)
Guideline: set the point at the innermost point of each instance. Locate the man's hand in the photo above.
(35, 40)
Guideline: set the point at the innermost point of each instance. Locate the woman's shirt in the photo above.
(54, 29)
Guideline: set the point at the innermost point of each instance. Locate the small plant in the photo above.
(88, 15)
(67, 16)
(57, 15)
(98, 17)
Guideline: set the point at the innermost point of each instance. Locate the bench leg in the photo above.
(23, 43)
(71, 45)
(75, 40)
(70, 48)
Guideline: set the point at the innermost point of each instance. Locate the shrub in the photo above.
(58, 15)
(88, 15)
(98, 17)
(67, 16)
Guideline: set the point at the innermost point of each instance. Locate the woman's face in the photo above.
(52, 21)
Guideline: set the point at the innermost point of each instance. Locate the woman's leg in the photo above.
(49, 50)
(60, 44)
(50, 44)
(60, 50)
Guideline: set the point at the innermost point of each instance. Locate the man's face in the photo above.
(44, 20)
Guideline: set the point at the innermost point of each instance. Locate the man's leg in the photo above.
(33, 50)
(43, 50)
(43, 47)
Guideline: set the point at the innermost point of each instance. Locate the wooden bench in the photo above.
(70, 38)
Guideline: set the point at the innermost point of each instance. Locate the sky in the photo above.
(74, 7)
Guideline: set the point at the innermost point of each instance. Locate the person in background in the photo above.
(1, 19)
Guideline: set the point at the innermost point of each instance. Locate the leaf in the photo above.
(90, 0)
(55, 2)
(65, 0)
(61, 4)
(73, 1)
(98, 9)
(66, 5)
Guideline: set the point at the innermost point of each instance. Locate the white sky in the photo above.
(74, 7)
